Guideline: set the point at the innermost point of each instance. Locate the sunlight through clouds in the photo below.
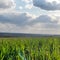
(29, 6)
(30, 16)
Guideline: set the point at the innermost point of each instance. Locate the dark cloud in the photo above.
(17, 19)
(21, 19)
(23, 22)
(44, 19)
(43, 4)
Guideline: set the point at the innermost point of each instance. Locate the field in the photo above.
(43, 48)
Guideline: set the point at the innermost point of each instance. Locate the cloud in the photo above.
(46, 22)
(44, 4)
(29, 6)
(15, 21)
(27, 1)
(45, 19)
(25, 23)
(6, 4)
(20, 19)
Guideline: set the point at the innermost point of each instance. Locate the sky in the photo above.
(30, 16)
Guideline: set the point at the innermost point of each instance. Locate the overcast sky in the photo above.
(30, 16)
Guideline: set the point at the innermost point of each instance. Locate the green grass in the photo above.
(44, 48)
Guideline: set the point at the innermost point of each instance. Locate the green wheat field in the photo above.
(43, 48)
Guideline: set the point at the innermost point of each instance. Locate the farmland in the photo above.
(43, 48)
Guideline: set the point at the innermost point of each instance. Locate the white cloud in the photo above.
(31, 15)
(42, 29)
(27, 1)
(8, 27)
(29, 6)
(7, 4)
